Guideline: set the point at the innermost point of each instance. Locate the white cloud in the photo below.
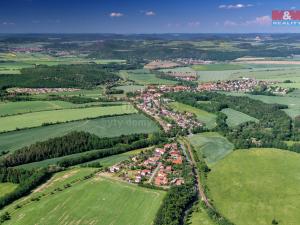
(116, 14)
(229, 23)
(261, 20)
(193, 24)
(236, 6)
(150, 13)
(6, 23)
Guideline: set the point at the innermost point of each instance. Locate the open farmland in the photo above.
(200, 217)
(235, 118)
(272, 62)
(218, 67)
(276, 73)
(12, 67)
(91, 202)
(130, 88)
(212, 146)
(102, 127)
(261, 72)
(36, 119)
(144, 77)
(289, 85)
(258, 186)
(6, 188)
(208, 118)
(11, 108)
(13, 63)
(178, 69)
(90, 93)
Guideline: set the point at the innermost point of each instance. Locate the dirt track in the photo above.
(201, 192)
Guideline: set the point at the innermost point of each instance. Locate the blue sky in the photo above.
(141, 16)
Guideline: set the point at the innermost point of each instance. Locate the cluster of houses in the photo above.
(276, 90)
(243, 85)
(26, 49)
(165, 169)
(155, 167)
(170, 88)
(151, 102)
(191, 61)
(42, 90)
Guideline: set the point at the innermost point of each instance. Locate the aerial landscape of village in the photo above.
(149, 113)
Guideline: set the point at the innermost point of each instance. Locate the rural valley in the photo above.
(156, 139)
(149, 112)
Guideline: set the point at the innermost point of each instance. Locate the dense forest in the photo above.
(76, 76)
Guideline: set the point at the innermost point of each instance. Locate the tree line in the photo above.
(61, 76)
(26, 180)
(152, 139)
(74, 142)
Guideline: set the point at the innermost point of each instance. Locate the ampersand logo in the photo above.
(286, 15)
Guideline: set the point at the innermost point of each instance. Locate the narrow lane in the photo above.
(201, 192)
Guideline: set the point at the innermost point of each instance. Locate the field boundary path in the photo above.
(200, 190)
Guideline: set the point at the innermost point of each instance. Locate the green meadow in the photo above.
(256, 186)
(36, 119)
(212, 146)
(200, 217)
(6, 188)
(99, 200)
(178, 69)
(114, 159)
(11, 108)
(103, 127)
(261, 72)
(11, 63)
(143, 77)
(208, 118)
(235, 118)
(218, 67)
(95, 93)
